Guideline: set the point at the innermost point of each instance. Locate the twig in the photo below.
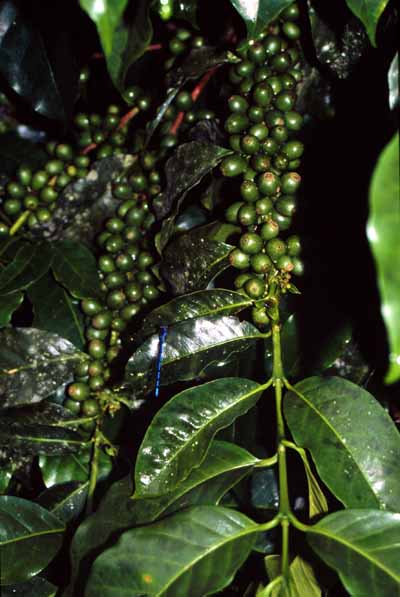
(194, 95)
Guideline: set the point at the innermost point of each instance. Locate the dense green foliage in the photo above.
(199, 299)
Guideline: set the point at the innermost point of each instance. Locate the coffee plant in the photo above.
(199, 298)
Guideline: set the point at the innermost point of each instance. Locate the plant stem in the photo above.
(284, 503)
(94, 465)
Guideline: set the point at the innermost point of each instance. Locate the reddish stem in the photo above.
(89, 148)
(127, 117)
(194, 95)
(177, 123)
(154, 47)
(202, 83)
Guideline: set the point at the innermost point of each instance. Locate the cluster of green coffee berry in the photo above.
(33, 194)
(128, 283)
(262, 126)
(106, 135)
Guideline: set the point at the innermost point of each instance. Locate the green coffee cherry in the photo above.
(239, 259)
(233, 166)
(260, 263)
(268, 183)
(290, 182)
(255, 288)
(275, 248)
(250, 243)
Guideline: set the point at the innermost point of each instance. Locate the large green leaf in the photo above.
(257, 14)
(8, 304)
(179, 436)
(131, 37)
(33, 364)
(39, 439)
(204, 303)
(72, 467)
(224, 465)
(74, 266)
(192, 260)
(190, 348)
(383, 227)
(66, 501)
(107, 15)
(353, 441)
(369, 12)
(35, 587)
(363, 547)
(30, 263)
(55, 310)
(195, 552)
(30, 537)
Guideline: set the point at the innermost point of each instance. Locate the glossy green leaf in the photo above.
(179, 436)
(38, 439)
(184, 170)
(55, 311)
(30, 537)
(107, 15)
(75, 267)
(369, 13)
(189, 349)
(33, 364)
(35, 587)
(382, 231)
(195, 552)
(8, 304)
(224, 466)
(25, 63)
(131, 37)
(66, 501)
(72, 467)
(257, 14)
(30, 263)
(363, 547)
(193, 259)
(353, 441)
(204, 303)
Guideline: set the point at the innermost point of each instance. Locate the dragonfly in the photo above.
(161, 341)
